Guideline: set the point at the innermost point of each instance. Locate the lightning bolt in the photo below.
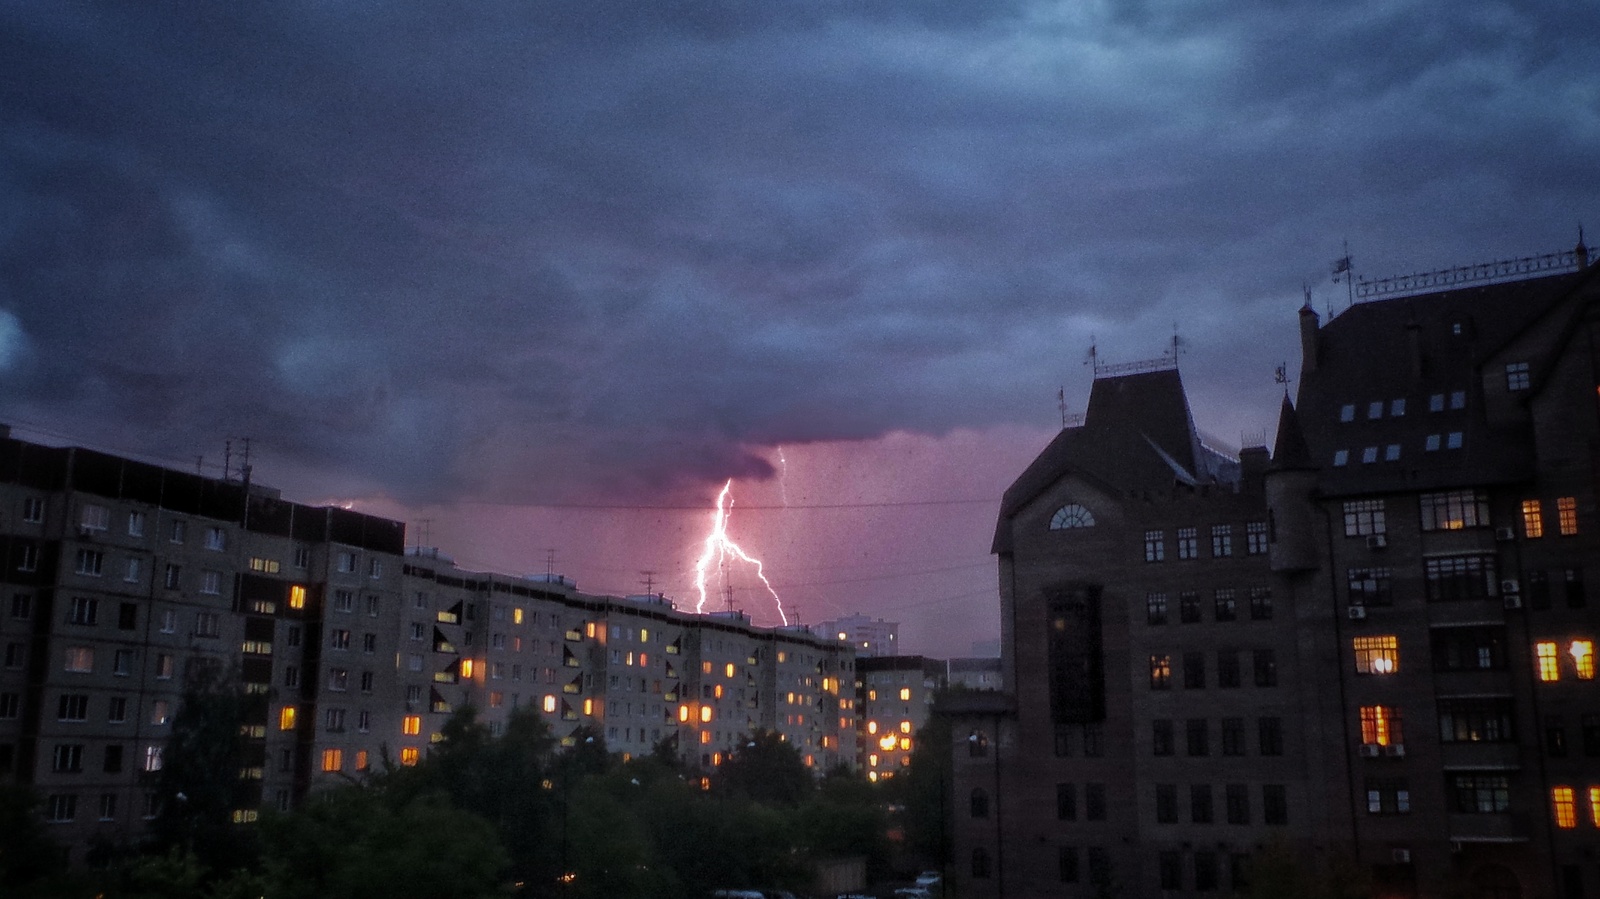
(718, 547)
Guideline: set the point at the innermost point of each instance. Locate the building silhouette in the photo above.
(1371, 653)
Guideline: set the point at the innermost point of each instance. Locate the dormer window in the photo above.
(1071, 515)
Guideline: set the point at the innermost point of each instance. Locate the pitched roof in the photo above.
(1137, 435)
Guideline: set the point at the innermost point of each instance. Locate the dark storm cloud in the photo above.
(567, 249)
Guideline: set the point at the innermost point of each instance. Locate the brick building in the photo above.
(1377, 644)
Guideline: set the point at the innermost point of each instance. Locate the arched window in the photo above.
(977, 745)
(980, 864)
(1071, 515)
(980, 803)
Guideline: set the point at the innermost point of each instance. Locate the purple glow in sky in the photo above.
(549, 275)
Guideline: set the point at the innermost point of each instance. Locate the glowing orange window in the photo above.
(1566, 809)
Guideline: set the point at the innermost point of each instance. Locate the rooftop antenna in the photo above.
(200, 465)
(727, 593)
(244, 464)
(549, 563)
(1342, 270)
(1177, 345)
(426, 535)
(1093, 359)
(1061, 403)
(227, 459)
(649, 582)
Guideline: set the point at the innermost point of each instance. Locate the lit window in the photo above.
(411, 725)
(1453, 510)
(1532, 519)
(905, 694)
(549, 703)
(466, 669)
(1583, 658)
(1567, 515)
(332, 759)
(1160, 672)
(1594, 806)
(1377, 655)
(705, 714)
(297, 597)
(728, 669)
(410, 755)
(286, 718)
(1549, 663)
(1566, 809)
(1380, 726)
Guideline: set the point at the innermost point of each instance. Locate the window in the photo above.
(1369, 455)
(1397, 407)
(91, 562)
(63, 807)
(1194, 671)
(375, 568)
(27, 557)
(980, 863)
(1516, 376)
(1197, 737)
(1155, 605)
(1388, 796)
(1567, 516)
(1266, 668)
(1066, 802)
(1458, 399)
(978, 803)
(334, 719)
(1391, 452)
(158, 712)
(1454, 578)
(346, 562)
(1532, 519)
(117, 713)
(94, 518)
(1380, 726)
(369, 642)
(16, 653)
(83, 610)
(177, 531)
(1155, 546)
(1233, 736)
(216, 539)
(1205, 871)
(1269, 735)
(1574, 588)
(172, 576)
(1481, 794)
(32, 509)
(1225, 604)
(1476, 720)
(332, 760)
(1453, 510)
(1582, 652)
(1474, 648)
(1188, 543)
(1364, 517)
(1255, 534)
(1452, 440)
(1161, 737)
(79, 659)
(1071, 515)
(1260, 603)
(1189, 607)
(11, 705)
(1094, 802)
(71, 707)
(338, 679)
(1555, 736)
(1166, 803)
(1341, 458)
(108, 806)
(1371, 586)
(21, 606)
(1548, 662)
(339, 638)
(1431, 445)
(1221, 541)
(152, 758)
(1376, 655)
(1200, 803)
(1347, 412)
(1274, 804)
(1227, 668)
(1565, 806)
(1236, 799)
(207, 624)
(1160, 671)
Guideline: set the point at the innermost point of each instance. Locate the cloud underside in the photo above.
(606, 248)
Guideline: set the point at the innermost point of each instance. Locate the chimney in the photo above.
(1309, 344)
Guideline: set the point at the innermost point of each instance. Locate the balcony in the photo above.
(1504, 827)
(1481, 756)
(1479, 682)
(1487, 610)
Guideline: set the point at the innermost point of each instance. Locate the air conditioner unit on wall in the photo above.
(1369, 750)
(1513, 602)
(1510, 585)
(1377, 541)
(1401, 856)
(1358, 613)
(1395, 750)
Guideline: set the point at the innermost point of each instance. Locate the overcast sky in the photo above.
(508, 266)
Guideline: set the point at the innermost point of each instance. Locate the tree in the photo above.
(27, 853)
(765, 768)
(198, 785)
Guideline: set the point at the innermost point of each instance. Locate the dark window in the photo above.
(1451, 578)
(1094, 802)
(1233, 736)
(1468, 648)
(1161, 737)
(979, 803)
(1239, 871)
(1155, 607)
(1371, 586)
(1166, 803)
(1066, 802)
(1063, 742)
(977, 745)
(1266, 666)
(1093, 745)
(1555, 736)
(1099, 866)
(1194, 671)
(1591, 735)
(1537, 589)
(1260, 603)
(1200, 803)
(1188, 543)
(980, 863)
(1574, 585)
(1228, 668)
(1364, 518)
(1067, 863)
(1226, 609)
(1480, 793)
(113, 759)
(1189, 607)
(1388, 796)
(1075, 656)
(1205, 870)
(1237, 799)
(1170, 864)
(1155, 546)
(1275, 804)
(1196, 737)
(1270, 732)
(1476, 720)
(1255, 534)
(1221, 540)
(127, 616)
